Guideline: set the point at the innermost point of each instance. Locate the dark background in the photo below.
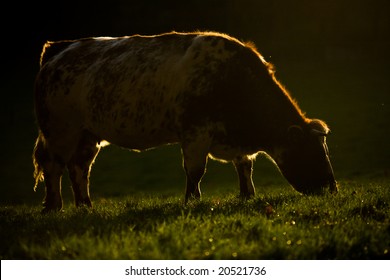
(332, 55)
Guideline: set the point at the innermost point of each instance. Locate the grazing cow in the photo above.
(214, 95)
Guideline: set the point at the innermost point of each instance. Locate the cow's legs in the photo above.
(79, 168)
(51, 166)
(244, 168)
(195, 156)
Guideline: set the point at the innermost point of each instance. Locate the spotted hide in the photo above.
(212, 94)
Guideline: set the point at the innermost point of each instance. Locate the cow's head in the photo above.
(304, 159)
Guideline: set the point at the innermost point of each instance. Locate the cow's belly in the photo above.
(138, 140)
(228, 153)
(135, 134)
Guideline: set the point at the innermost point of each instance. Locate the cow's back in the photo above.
(133, 91)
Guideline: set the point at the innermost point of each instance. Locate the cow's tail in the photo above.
(37, 157)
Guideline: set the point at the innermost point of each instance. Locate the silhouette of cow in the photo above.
(214, 95)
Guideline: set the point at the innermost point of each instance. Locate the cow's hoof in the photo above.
(84, 203)
(192, 198)
(246, 196)
(47, 210)
(51, 207)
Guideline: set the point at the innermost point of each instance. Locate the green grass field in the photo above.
(138, 197)
(277, 224)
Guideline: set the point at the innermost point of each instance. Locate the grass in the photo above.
(277, 224)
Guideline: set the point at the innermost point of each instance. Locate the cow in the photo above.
(213, 94)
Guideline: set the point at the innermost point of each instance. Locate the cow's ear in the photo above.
(295, 134)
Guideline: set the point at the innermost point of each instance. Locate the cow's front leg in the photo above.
(244, 168)
(195, 156)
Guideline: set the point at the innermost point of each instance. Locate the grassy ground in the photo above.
(277, 224)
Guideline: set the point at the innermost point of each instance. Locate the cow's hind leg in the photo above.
(48, 166)
(244, 168)
(79, 168)
(195, 156)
